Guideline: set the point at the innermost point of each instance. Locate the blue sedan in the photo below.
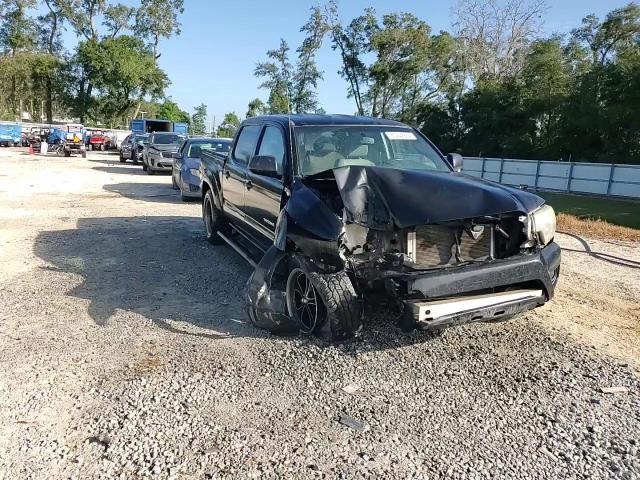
(186, 163)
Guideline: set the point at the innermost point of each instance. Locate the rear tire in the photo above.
(144, 167)
(213, 219)
(122, 160)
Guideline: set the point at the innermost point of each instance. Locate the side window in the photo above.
(246, 144)
(273, 145)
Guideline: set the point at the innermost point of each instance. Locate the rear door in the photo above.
(263, 194)
(234, 174)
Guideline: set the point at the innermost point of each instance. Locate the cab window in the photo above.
(273, 145)
(246, 144)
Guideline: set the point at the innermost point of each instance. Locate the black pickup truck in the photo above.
(348, 211)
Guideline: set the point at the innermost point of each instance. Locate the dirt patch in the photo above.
(596, 228)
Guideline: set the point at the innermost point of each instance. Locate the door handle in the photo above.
(227, 175)
(249, 185)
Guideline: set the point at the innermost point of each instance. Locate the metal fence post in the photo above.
(501, 168)
(535, 182)
(613, 168)
(482, 171)
(569, 177)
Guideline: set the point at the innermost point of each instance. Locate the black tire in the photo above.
(341, 308)
(67, 153)
(150, 171)
(174, 185)
(144, 167)
(214, 221)
(122, 160)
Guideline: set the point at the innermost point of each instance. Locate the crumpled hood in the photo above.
(379, 197)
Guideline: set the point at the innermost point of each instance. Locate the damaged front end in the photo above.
(441, 247)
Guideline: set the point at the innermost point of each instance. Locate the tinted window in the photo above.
(273, 145)
(217, 146)
(246, 144)
(166, 139)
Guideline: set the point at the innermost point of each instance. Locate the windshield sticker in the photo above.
(400, 135)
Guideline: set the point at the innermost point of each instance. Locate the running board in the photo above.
(432, 311)
(238, 249)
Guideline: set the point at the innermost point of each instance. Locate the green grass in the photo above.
(619, 212)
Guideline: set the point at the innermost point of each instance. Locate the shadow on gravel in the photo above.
(163, 269)
(149, 192)
(159, 267)
(131, 169)
(605, 257)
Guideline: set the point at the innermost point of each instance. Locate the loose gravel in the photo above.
(125, 353)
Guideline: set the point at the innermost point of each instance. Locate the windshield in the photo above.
(322, 148)
(166, 139)
(140, 138)
(195, 149)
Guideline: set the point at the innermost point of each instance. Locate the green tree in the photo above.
(169, 110)
(118, 85)
(278, 78)
(401, 47)
(158, 19)
(256, 107)
(229, 126)
(307, 75)
(199, 120)
(353, 43)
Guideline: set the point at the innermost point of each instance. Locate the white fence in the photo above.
(616, 180)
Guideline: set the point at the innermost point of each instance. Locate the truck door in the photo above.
(234, 174)
(263, 193)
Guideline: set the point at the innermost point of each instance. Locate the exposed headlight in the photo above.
(541, 226)
(194, 171)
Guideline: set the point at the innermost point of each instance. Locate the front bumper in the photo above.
(160, 163)
(536, 271)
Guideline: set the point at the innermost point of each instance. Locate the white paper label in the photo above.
(400, 135)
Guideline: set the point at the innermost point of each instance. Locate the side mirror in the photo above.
(455, 159)
(264, 165)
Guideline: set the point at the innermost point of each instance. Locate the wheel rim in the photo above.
(303, 301)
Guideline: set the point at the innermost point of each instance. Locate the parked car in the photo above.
(10, 134)
(158, 151)
(185, 174)
(132, 147)
(349, 211)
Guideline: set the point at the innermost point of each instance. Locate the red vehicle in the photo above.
(97, 140)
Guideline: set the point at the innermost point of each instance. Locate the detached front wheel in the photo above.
(324, 304)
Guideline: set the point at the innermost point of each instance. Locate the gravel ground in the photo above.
(124, 353)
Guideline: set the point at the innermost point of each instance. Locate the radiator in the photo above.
(435, 245)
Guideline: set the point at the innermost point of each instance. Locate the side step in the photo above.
(438, 309)
(238, 249)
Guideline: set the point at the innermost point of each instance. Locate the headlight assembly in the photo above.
(540, 226)
(194, 172)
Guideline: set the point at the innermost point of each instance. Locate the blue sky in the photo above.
(212, 61)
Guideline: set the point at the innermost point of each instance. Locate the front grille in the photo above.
(436, 245)
(167, 154)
